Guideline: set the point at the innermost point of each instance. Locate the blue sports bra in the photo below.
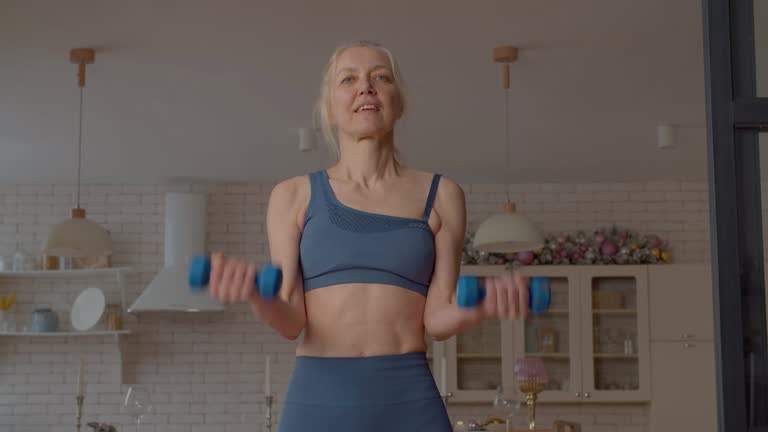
(340, 244)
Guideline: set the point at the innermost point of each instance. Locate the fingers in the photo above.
(231, 280)
(227, 272)
(506, 297)
(238, 276)
(248, 287)
(214, 282)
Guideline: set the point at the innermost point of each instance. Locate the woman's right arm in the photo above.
(232, 280)
(287, 314)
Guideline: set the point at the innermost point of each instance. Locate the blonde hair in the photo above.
(323, 105)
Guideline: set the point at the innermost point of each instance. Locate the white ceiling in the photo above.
(218, 90)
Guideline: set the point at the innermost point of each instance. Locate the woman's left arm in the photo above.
(506, 297)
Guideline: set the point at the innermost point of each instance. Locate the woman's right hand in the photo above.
(233, 280)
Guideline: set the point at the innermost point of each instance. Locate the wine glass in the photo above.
(137, 404)
(506, 407)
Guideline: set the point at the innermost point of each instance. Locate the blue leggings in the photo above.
(373, 394)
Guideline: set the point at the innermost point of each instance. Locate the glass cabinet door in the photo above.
(475, 365)
(615, 325)
(478, 357)
(554, 335)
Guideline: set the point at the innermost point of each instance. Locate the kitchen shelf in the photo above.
(616, 356)
(479, 356)
(546, 355)
(615, 312)
(68, 333)
(120, 273)
(75, 273)
(551, 312)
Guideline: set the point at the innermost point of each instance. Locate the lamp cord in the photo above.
(506, 143)
(79, 146)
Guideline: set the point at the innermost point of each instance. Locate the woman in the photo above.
(370, 252)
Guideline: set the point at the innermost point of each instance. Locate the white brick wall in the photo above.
(205, 371)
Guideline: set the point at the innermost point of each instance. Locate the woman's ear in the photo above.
(401, 104)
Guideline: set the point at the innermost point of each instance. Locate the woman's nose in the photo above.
(367, 88)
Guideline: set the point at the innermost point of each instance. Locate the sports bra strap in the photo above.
(316, 181)
(431, 197)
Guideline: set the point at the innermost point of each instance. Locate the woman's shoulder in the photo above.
(447, 185)
(293, 189)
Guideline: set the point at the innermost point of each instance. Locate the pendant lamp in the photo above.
(507, 231)
(79, 237)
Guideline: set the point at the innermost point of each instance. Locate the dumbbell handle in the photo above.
(268, 280)
(469, 293)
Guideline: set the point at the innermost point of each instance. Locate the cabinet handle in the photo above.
(578, 394)
(689, 345)
(586, 395)
(688, 336)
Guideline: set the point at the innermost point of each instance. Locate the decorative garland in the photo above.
(605, 246)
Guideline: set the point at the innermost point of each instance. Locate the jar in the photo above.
(65, 263)
(6, 321)
(50, 262)
(23, 261)
(628, 347)
(114, 318)
(44, 320)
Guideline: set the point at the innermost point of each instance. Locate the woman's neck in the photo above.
(366, 160)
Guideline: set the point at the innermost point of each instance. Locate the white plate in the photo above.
(87, 309)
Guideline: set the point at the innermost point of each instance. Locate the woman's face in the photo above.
(365, 99)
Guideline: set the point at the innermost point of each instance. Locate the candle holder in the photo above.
(531, 391)
(268, 411)
(80, 399)
(532, 379)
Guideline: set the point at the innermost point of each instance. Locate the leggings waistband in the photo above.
(382, 379)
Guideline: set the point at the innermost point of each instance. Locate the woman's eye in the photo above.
(384, 78)
(346, 80)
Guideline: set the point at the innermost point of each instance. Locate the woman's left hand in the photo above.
(506, 297)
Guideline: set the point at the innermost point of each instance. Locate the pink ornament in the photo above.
(654, 241)
(525, 258)
(608, 248)
(599, 239)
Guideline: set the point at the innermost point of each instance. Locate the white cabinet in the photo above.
(599, 316)
(683, 387)
(583, 347)
(681, 302)
(683, 355)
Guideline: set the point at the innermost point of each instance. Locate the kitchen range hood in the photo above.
(185, 231)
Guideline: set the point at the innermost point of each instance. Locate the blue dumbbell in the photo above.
(268, 280)
(469, 293)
